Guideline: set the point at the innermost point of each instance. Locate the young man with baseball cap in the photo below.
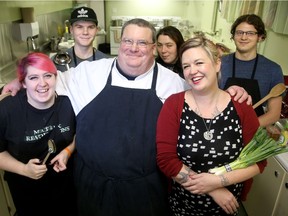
(83, 28)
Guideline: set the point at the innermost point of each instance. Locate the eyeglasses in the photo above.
(240, 33)
(139, 43)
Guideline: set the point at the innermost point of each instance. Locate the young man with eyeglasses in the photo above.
(117, 102)
(252, 71)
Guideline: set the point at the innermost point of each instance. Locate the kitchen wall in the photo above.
(10, 10)
(49, 15)
(142, 8)
(201, 14)
(275, 47)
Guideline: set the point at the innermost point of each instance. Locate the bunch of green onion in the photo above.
(261, 147)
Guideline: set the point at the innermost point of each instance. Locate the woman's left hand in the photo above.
(225, 199)
(59, 161)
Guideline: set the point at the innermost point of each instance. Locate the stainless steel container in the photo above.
(117, 22)
(167, 22)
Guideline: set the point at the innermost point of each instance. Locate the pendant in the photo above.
(208, 135)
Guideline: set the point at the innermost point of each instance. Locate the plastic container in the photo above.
(275, 129)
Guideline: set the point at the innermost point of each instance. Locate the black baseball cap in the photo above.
(83, 14)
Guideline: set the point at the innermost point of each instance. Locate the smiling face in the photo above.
(40, 87)
(167, 49)
(84, 32)
(135, 58)
(199, 70)
(246, 43)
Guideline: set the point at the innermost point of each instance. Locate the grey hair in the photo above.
(141, 23)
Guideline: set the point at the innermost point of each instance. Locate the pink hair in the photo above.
(37, 60)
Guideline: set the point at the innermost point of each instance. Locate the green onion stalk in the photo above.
(261, 147)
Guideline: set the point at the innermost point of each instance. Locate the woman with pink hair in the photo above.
(37, 128)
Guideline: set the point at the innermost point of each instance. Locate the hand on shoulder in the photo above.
(12, 87)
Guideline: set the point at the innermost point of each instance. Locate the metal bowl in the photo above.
(62, 58)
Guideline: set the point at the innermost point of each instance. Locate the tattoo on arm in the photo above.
(224, 180)
(190, 172)
(184, 176)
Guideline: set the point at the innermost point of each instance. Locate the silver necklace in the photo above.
(208, 134)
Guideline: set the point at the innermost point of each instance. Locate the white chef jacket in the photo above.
(83, 83)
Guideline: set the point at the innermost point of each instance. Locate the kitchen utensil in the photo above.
(276, 91)
(31, 43)
(51, 149)
(62, 58)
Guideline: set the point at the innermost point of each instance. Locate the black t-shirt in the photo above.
(177, 68)
(25, 130)
(24, 133)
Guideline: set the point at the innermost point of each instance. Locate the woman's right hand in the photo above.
(34, 169)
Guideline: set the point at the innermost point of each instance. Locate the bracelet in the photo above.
(68, 151)
(224, 180)
(228, 168)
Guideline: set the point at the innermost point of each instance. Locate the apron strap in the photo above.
(255, 66)
(109, 80)
(155, 73)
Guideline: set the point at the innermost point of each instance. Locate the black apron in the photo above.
(116, 170)
(250, 85)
